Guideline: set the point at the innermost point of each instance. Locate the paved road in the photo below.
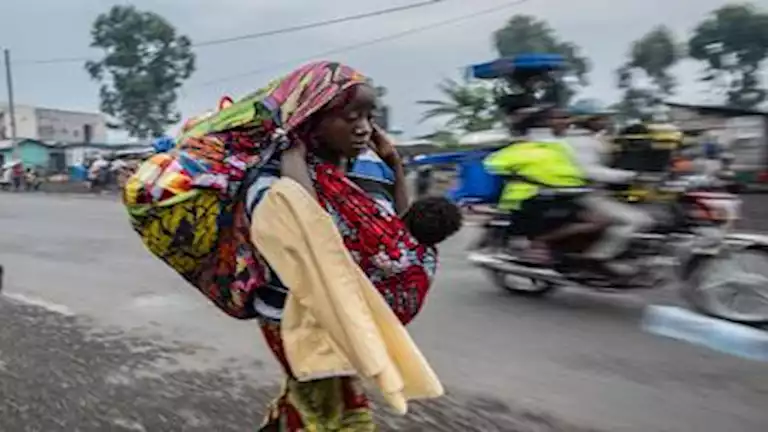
(118, 342)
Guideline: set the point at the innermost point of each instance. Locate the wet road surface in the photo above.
(97, 335)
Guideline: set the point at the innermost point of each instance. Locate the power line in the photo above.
(54, 61)
(319, 23)
(262, 34)
(367, 43)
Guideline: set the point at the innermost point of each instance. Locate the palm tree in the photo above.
(468, 108)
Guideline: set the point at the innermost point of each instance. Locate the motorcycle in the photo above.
(692, 244)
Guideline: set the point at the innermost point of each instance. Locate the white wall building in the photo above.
(55, 125)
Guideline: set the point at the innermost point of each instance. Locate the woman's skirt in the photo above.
(332, 404)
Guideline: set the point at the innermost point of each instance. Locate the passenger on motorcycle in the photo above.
(589, 148)
(536, 164)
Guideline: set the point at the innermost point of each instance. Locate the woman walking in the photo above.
(321, 114)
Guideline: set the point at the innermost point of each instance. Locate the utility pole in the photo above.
(11, 108)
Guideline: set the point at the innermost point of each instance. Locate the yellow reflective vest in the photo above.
(541, 163)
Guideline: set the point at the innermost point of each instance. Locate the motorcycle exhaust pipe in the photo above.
(500, 265)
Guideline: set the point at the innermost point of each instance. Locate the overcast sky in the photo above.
(409, 67)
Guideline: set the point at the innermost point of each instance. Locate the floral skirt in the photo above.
(332, 404)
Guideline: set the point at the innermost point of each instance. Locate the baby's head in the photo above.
(433, 219)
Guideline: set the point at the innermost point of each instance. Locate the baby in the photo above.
(430, 220)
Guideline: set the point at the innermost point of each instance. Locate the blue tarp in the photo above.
(474, 184)
(438, 158)
(163, 144)
(78, 173)
(505, 66)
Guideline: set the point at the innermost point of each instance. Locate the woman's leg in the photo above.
(332, 404)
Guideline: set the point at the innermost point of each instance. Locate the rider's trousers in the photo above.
(626, 221)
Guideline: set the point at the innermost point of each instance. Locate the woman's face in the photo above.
(345, 128)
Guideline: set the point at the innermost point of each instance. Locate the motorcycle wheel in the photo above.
(699, 290)
(521, 286)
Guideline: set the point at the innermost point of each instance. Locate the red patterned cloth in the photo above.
(398, 266)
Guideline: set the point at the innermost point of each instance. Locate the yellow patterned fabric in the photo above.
(336, 404)
(200, 210)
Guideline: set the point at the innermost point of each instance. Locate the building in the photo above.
(32, 153)
(743, 133)
(78, 153)
(51, 157)
(44, 124)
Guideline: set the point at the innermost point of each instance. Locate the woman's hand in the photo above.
(384, 146)
(293, 164)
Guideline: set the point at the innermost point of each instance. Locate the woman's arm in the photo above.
(385, 148)
(402, 200)
(293, 165)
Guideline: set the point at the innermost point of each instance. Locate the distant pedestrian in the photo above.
(97, 173)
(32, 180)
(17, 175)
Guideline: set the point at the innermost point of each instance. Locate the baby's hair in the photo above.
(433, 219)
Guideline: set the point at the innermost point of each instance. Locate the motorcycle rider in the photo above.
(590, 149)
(536, 161)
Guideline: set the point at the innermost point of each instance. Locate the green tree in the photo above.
(145, 62)
(651, 57)
(733, 43)
(467, 107)
(526, 34)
